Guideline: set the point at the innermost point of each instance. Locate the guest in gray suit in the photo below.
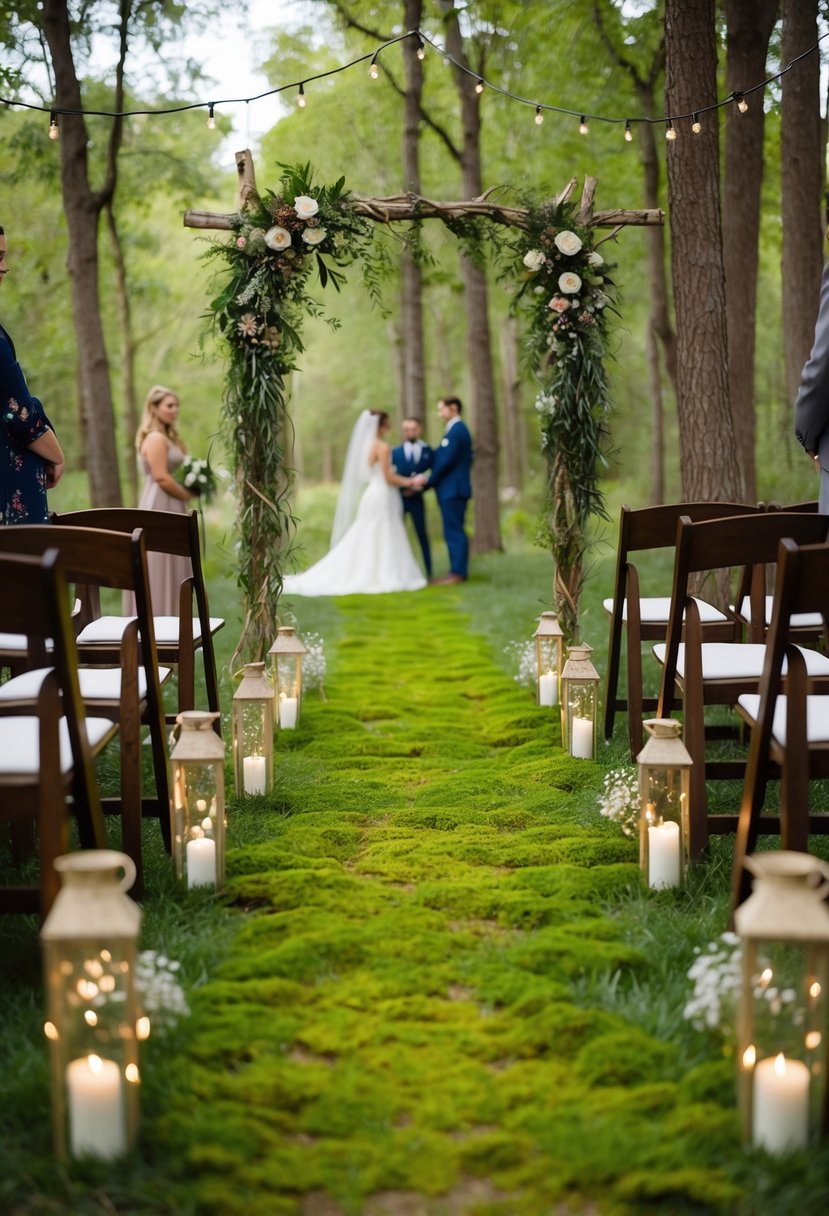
(811, 410)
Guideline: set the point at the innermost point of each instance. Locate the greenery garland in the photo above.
(566, 294)
(279, 239)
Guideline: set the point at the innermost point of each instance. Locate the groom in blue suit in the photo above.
(451, 481)
(414, 456)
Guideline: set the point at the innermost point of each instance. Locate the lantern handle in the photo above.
(130, 872)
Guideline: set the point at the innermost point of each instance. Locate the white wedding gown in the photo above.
(373, 556)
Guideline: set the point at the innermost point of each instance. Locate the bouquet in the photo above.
(198, 476)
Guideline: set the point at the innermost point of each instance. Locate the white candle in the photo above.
(781, 1104)
(664, 855)
(581, 738)
(254, 774)
(96, 1109)
(201, 862)
(547, 689)
(287, 713)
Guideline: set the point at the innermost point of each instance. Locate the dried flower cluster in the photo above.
(162, 996)
(620, 799)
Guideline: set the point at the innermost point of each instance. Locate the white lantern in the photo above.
(286, 676)
(253, 731)
(664, 769)
(94, 1024)
(784, 1002)
(549, 657)
(198, 800)
(579, 703)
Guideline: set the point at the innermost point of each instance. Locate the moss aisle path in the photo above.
(396, 1029)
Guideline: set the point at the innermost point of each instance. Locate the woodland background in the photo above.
(700, 410)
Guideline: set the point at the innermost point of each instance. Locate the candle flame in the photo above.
(142, 1028)
(815, 989)
(90, 1017)
(132, 1074)
(780, 1064)
(95, 1063)
(766, 976)
(750, 1056)
(51, 1031)
(813, 1039)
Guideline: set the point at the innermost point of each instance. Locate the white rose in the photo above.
(305, 207)
(534, 259)
(313, 236)
(594, 259)
(569, 282)
(277, 238)
(567, 242)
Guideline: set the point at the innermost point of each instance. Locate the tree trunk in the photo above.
(660, 310)
(706, 435)
(750, 23)
(657, 418)
(82, 208)
(129, 347)
(801, 184)
(514, 438)
(413, 401)
(487, 534)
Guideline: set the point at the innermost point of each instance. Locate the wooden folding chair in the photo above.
(718, 673)
(646, 619)
(791, 729)
(177, 638)
(128, 689)
(752, 605)
(47, 744)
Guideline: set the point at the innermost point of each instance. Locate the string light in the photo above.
(539, 117)
(211, 121)
(300, 97)
(628, 132)
(421, 49)
(583, 127)
(479, 87)
(54, 133)
(670, 131)
(742, 104)
(373, 69)
(696, 125)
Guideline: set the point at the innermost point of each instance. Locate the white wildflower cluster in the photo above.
(716, 974)
(545, 403)
(313, 661)
(523, 656)
(620, 799)
(161, 994)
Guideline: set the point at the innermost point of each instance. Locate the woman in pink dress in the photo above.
(161, 451)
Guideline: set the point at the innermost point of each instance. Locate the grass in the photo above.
(434, 984)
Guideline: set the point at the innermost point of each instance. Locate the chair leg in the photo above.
(636, 734)
(695, 743)
(612, 686)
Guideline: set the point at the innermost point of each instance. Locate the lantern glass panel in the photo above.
(288, 689)
(198, 793)
(664, 824)
(581, 718)
(548, 670)
(253, 731)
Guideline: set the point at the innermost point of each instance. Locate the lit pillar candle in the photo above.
(201, 863)
(287, 713)
(96, 1109)
(664, 855)
(547, 688)
(254, 774)
(781, 1104)
(581, 743)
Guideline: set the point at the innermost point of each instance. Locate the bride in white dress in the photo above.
(370, 551)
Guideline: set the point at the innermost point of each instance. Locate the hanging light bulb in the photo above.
(479, 87)
(300, 97)
(421, 49)
(211, 121)
(742, 104)
(539, 117)
(373, 69)
(583, 127)
(670, 131)
(696, 125)
(54, 133)
(628, 132)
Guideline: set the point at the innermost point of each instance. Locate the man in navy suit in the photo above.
(414, 456)
(811, 408)
(451, 480)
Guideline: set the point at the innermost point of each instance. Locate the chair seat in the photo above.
(657, 610)
(110, 629)
(817, 717)
(799, 620)
(96, 683)
(738, 660)
(20, 749)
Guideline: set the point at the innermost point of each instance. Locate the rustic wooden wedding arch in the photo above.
(261, 605)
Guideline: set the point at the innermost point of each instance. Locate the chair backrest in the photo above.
(164, 531)
(34, 601)
(750, 540)
(655, 527)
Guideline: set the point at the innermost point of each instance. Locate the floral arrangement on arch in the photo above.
(566, 294)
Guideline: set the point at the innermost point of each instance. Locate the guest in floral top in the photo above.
(31, 459)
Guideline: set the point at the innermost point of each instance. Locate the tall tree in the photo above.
(710, 468)
(413, 354)
(801, 183)
(749, 25)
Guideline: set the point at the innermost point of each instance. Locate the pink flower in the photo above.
(559, 304)
(241, 242)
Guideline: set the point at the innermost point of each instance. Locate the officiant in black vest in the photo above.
(410, 457)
